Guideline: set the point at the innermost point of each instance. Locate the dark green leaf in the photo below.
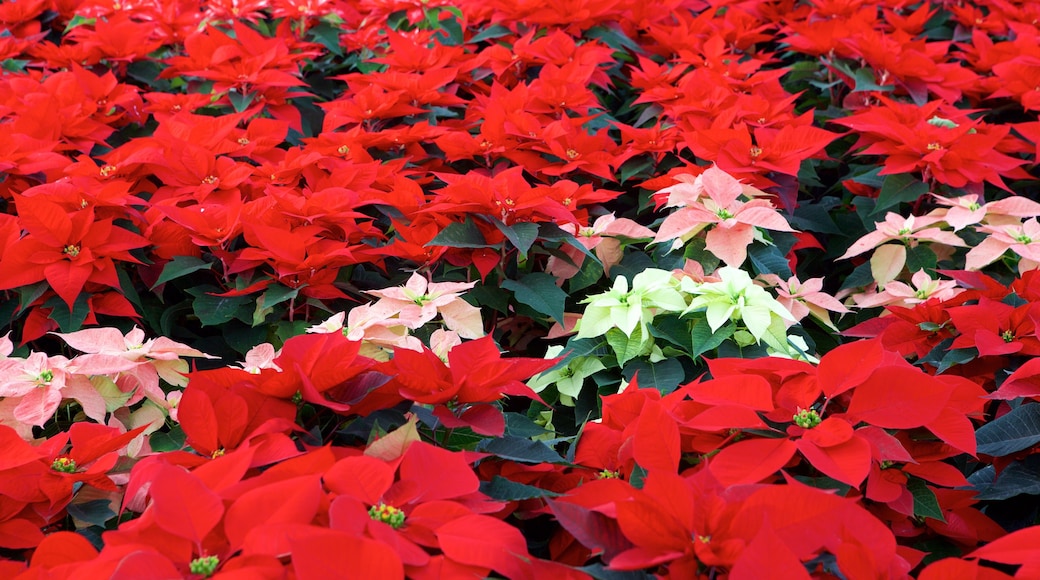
(163, 442)
(926, 505)
(239, 100)
(503, 489)
(95, 512)
(69, 320)
(920, 258)
(1019, 478)
(599, 572)
(899, 188)
(637, 477)
(213, 310)
(768, 260)
(181, 266)
(704, 339)
(521, 235)
(865, 81)
(588, 274)
(664, 375)
(488, 296)
(460, 235)
(493, 31)
(1015, 431)
(519, 449)
(956, 357)
(673, 329)
(518, 425)
(328, 36)
(540, 292)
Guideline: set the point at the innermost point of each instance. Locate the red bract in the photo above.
(67, 250)
(223, 410)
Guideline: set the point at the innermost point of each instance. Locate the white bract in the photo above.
(623, 308)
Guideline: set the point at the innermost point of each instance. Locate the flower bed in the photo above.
(300, 288)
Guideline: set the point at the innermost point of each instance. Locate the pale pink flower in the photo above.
(969, 209)
(1022, 239)
(419, 302)
(921, 288)
(602, 237)
(109, 352)
(913, 229)
(713, 199)
(39, 383)
(442, 341)
(802, 299)
(261, 357)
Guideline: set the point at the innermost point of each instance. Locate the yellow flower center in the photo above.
(387, 514)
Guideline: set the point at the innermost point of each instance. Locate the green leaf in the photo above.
(897, 189)
(926, 505)
(493, 31)
(552, 233)
(769, 260)
(163, 442)
(181, 266)
(665, 375)
(518, 425)
(70, 320)
(1015, 431)
(865, 81)
(704, 339)
(240, 101)
(460, 235)
(673, 329)
(96, 511)
(921, 258)
(642, 166)
(1019, 478)
(539, 291)
(637, 477)
(488, 296)
(521, 234)
(519, 449)
(588, 274)
(78, 21)
(327, 35)
(626, 348)
(956, 357)
(614, 37)
(503, 489)
(213, 310)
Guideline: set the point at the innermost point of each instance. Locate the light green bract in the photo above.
(568, 378)
(735, 298)
(652, 290)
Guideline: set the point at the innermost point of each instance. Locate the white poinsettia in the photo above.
(737, 297)
(626, 309)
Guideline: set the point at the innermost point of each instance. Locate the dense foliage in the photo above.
(458, 288)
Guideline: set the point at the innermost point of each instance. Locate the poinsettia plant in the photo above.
(689, 289)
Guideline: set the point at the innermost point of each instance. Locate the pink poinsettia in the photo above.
(420, 301)
(970, 209)
(40, 383)
(802, 299)
(1022, 239)
(921, 288)
(601, 237)
(139, 363)
(713, 199)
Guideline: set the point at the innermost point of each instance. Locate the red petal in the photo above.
(751, 461)
(318, 552)
(484, 541)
